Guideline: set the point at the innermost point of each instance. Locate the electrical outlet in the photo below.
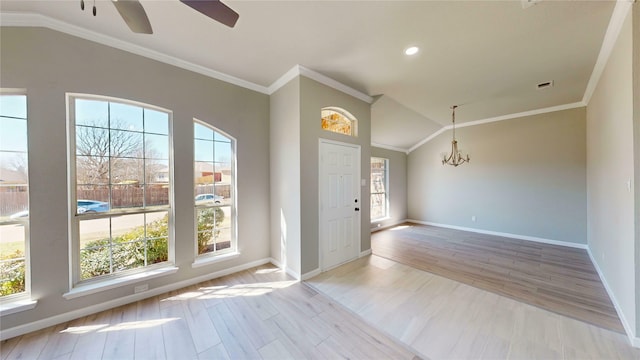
(140, 288)
(473, 218)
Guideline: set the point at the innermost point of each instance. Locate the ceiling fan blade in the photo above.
(215, 10)
(134, 15)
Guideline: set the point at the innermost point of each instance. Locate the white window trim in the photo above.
(232, 252)
(346, 114)
(387, 211)
(14, 303)
(17, 306)
(77, 286)
(213, 259)
(85, 289)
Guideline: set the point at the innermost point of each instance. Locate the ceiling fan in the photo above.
(136, 18)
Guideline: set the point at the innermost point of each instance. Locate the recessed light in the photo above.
(412, 50)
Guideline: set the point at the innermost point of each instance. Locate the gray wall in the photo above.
(610, 165)
(397, 191)
(285, 176)
(49, 64)
(527, 177)
(314, 96)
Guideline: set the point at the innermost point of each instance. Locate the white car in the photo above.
(209, 198)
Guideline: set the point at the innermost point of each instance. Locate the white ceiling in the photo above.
(486, 56)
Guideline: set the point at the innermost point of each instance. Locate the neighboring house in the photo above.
(12, 180)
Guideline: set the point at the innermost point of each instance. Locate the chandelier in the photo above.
(454, 158)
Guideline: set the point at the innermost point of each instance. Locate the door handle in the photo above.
(357, 209)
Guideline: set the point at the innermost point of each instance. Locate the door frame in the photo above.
(358, 232)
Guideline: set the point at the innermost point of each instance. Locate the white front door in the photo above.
(339, 203)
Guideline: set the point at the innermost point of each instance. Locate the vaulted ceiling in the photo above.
(486, 56)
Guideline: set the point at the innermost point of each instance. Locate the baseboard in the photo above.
(508, 235)
(294, 274)
(301, 277)
(71, 315)
(635, 341)
(365, 253)
(310, 274)
(380, 227)
(276, 263)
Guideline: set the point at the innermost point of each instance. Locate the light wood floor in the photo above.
(445, 319)
(255, 314)
(556, 278)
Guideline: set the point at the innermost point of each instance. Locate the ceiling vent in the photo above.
(529, 3)
(545, 85)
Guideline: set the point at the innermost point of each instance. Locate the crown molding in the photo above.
(522, 114)
(21, 19)
(618, 16)
(389, 147)
(323, 79)
(299, 70)
(284, 79)
(37, 20)
(429, 138)
(500, 118)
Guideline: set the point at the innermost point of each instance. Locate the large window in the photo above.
(379, 188)
(14, 196)
(121, 186)
(214, 154)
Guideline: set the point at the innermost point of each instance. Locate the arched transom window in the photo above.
(339, 120)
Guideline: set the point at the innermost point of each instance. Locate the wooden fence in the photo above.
(12, 202)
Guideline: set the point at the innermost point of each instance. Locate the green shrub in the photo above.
(127, 250)
(12, 274)
(207, 231)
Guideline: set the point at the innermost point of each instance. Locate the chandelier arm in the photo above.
(455, 158)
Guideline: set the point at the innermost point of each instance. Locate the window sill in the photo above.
(214, 259)
(380, 219)
(17, 306)
(88, 289)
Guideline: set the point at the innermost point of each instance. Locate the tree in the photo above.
(95, 146)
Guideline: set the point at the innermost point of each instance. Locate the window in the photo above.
(339, 121)
(121, 186)
(14, 196)
(214, 154)
(379, 188)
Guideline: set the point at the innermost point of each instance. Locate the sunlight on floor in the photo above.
(83, 329)
(400, 227)
(267, 271)
(139, 324)
(226, 291)
(78, 330)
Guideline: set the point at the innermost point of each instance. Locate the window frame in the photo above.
(17, 301)
(75, 271)
(232, 251)
(344, 113)
(387, 214)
